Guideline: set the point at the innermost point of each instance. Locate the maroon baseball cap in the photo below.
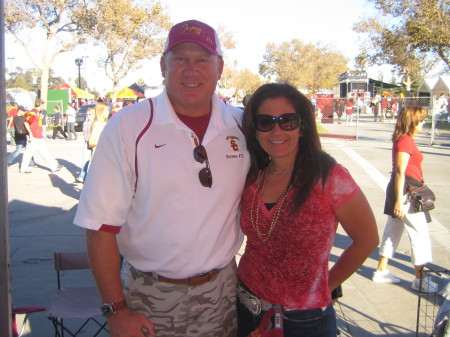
(196, 32)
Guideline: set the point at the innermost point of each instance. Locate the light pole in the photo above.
(79, 63)
(85, 70)
(11, 61)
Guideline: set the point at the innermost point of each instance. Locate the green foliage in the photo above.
(308, 66)
(413, 36)
(129, 31)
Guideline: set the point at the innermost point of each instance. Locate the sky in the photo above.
(254, 24)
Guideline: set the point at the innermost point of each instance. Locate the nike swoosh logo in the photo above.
(158, 146)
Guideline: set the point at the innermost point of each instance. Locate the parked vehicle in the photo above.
(80, 116)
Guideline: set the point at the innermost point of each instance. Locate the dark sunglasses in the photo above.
(204, 175)
(286, 122)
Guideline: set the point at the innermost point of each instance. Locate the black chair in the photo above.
(75, 303)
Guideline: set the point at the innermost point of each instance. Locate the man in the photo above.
(36, 140)
(12, 112)
(439, 113)
(57, 124)
(70, 113)
(163, 191)
(117, 106)
(20, 136)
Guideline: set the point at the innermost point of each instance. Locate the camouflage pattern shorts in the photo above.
(176, 310)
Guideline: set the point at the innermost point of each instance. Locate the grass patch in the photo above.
(321, 129)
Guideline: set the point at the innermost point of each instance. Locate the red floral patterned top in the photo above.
(291, 267)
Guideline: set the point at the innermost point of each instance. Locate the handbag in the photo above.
(421, 198)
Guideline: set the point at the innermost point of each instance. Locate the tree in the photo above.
(393, 46)
(422, 25)
(247, 81)
(46, 28)
(307, 66)
(129, 31)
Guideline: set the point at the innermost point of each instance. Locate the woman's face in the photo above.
(278, 143)
(419, 127)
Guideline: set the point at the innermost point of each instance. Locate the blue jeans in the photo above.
(19, 149)
(71, 130)
(297, 323)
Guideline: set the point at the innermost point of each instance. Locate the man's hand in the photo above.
(127, 323)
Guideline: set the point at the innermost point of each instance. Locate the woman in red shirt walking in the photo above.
(407, 169)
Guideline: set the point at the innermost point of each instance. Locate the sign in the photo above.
(353, 75)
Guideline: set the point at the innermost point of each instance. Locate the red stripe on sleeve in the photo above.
(110, 229)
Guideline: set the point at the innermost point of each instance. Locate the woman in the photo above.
(294, 197)
(90, 112)
(407, 169)
(100, 119)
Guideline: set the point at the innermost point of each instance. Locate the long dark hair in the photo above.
(311, 163)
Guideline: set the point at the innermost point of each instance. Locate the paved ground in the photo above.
(42, 206)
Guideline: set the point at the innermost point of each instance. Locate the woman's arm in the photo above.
(358, 221)
(400, 163)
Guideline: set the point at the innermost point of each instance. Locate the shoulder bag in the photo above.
(421, 198)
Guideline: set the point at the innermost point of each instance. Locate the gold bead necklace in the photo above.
(280, 202)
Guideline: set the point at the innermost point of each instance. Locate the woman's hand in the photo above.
(398, 210)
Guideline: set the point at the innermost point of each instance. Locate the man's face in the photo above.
(191, 74)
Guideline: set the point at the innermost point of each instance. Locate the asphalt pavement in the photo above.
(42, 206)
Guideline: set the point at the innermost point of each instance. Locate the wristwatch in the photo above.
(109, 309)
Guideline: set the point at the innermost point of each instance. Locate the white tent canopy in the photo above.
(434, 86)
(21, 97)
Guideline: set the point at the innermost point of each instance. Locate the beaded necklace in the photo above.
(280, 202)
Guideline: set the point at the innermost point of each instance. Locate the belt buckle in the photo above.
(258, 308)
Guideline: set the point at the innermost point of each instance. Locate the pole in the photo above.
(5, 273)
(79, 77)
(79, 63)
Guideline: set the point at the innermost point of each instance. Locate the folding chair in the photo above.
(74, 303)
(26, 311)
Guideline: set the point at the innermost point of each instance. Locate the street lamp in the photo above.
(79, 63)
(11, 60)
(85, 70)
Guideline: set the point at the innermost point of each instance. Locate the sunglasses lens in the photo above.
(288, 122)
(200, 154)
(265, 123)
(205, 177)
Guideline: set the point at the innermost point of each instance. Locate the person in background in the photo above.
(12, 112)
(57, 124)
(163, 191)
(349, 111)
(70, 113)
(20, 136)
(98, 124)
(44, 123)
(36, 141)
(117, 106)
(406, 169)
(294, 198)
(87, 151)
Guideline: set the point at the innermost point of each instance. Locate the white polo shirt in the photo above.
(144, 179)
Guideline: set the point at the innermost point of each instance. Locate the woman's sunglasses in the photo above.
(286, 122)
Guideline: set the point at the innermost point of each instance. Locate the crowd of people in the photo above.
(177, 179)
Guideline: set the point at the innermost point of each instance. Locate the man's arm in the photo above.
(104, 259)
(27, 126)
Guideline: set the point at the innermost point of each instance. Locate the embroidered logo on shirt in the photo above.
(158, 146)
(232, 140)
